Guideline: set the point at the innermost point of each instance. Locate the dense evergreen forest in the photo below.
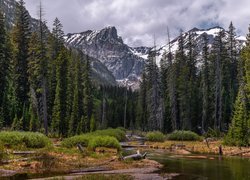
(47, 87)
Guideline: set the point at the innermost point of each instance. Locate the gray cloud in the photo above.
(138, 20)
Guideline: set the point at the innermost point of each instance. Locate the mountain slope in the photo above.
(8, 7)
(106, 46)
(198, 40)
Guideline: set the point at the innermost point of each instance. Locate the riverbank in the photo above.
(200, 147)
(72, 163)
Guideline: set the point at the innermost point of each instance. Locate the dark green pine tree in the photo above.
(238, 133)
(38, 72)
(182, 75)
(205, 84)
(55, 44)
(233, 59)
(21, 36)
(220, 64)
(141, 110)
(59, 124)
(5, 72)
(87, 94)
(172, 88)
(77, 106)
(239, 130)
(164, 70)
(193, 107)
(34, 70)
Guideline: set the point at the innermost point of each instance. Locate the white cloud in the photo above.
(138, 20)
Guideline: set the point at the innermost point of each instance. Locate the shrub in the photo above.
(213, 133)
(74, 140)
(119, 134)
(104, 141)
(184, 135)
(28, 139)
(155, 136)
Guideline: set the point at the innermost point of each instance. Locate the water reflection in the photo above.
(205, 167)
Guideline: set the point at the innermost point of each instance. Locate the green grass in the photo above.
(118, 133)
(104, 141)
(155, 136)
(91, 141)
(101, 138)
(183, 136)
(27, 139)
(74, 140)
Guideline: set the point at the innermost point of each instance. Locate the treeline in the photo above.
(47, 87)
(180, 95)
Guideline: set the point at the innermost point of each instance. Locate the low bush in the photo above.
(240, 142)
(104, 141)
(155, 136)
(118, 133)
(213, 133)
(74, 140)
(91, 141)
(28, 139)
(184, 136)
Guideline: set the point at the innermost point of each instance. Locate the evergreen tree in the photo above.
(21, 36)
(141, 111)
(77, 106)
(92, 124)
(5, 73)
(205, 86)
(59, 124)
(87, 93)
(219, 55)
(55, 43)
(172, 88)
(182, 72)
(154, 98)
(238, 133)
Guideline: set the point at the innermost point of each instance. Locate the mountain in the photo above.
(105, 45)
(198, 40)
(8, 7)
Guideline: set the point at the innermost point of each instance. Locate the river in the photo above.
(197, 167)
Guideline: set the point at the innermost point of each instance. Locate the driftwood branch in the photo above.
(79, 146)
(137, 156)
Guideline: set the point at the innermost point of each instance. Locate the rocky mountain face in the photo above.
(198, 41)
(8, 7)
(106, 46)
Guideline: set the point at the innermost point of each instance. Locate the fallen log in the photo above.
(137, 156)
(15, 160)
(134, 146)
(94, 169)
(239, 153)
(24, 152)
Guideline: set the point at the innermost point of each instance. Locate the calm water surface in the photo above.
(213, 167)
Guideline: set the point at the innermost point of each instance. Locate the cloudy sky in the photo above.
(138, 20)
